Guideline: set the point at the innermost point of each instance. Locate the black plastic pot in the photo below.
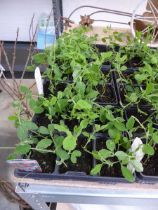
(105, 48)
(142, 116)
(139, 133)
(120, 91)
(150, 174)
(110, 97)
(133, 111)
(102, 48)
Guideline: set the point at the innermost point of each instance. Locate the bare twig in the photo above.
(5, 55)
(30, 50)
(7, 62)
(31, 28)
(5, 89)
(15, 85)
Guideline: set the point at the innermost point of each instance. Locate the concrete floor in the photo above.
(7, 138)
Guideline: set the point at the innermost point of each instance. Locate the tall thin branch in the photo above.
(15, 85)
(30, 50)
(7, 62)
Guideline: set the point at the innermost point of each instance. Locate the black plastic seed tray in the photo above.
(120, 91)
(147, 179)
(74, 175)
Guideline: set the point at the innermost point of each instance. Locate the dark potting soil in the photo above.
(41, 119)
(106, 94)
(141, 115)
(114, 171)
(127, 90)
(134, 62)
(107, 171)
(84, 163)
(151, 164)
(59, 87)
(71, 123)
(47, 161)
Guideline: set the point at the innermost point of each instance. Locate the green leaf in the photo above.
(96, 155)
(61, 128)
(117, 137)
(24, 89)
(133, 97)
(119, 125)
(30, 68)
(106, 55)
(96, 169)
(154, 60)
(82, 104)
(140, 77)
(16, 103)
(123, 68)
(12, 156)
(22, 133)
(12, 118)
(22, 149)
(84, 123)
(110, 145)
(38, 109)
(50, 128)
(147, 149)
(44, 143)
(127, 174)
(155, 137)
(104, 153)
(39, 58)
(149, 88)
(121, 155)
(80, 86)
(130, 123)
(28, 125)
(58, 141)
(35, 106)
(53, 100)
(92, 95)
(75, 154)
(69, 143)
(62, 104)
(112, 132)
(60, 95)
(110, 116)
(62, 154)
(43, 130)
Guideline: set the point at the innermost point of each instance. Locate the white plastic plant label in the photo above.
(137, 150)
(25, 165)
(1, 70)
(39, 81)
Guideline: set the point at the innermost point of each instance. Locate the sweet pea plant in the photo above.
(71, 110)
